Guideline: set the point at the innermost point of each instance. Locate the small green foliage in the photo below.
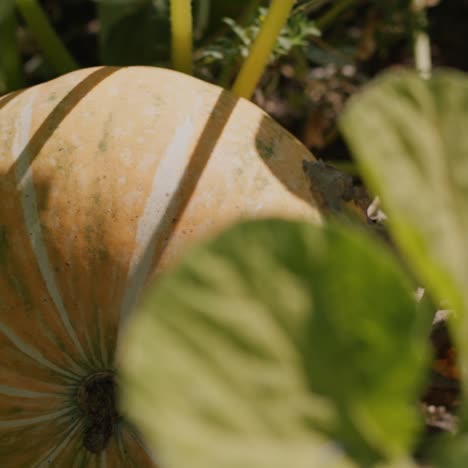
(237, 44)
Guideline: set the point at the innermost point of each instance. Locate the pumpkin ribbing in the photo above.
(107, 175)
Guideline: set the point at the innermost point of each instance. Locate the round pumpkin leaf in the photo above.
(409, 135)
(277, 344)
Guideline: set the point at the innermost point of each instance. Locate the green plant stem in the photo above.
(255, 64)
(181, 30)
(324, 21)
(10, 63)
(421, 41)
(52, 46)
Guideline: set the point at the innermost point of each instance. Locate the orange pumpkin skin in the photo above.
(107, 175)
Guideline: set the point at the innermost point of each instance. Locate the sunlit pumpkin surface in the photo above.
(107, 175)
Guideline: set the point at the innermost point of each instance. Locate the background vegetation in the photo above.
(327, 52)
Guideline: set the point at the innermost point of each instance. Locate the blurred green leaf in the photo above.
(410, 136)
(11, 77)
(134, 33)
(275, 345)
(451, 451)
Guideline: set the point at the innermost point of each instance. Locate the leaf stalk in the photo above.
(421, 40)
(181, 33)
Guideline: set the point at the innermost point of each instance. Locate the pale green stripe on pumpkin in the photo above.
(77, 369)
(24, 178)
(102, 340)
(51, 455)
(93, 360)
(119, 439)
(15, 423)
(22, 393)
(167, 180)
(33, 353)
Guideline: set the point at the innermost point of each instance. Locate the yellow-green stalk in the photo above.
(255, 64)
(181, 32)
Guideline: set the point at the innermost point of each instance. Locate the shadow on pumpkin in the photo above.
(212, 132)
(4, 100)
(51, 123)
(270, 139)
(284, 155)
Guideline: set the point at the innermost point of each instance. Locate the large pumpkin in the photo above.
(106, 175)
